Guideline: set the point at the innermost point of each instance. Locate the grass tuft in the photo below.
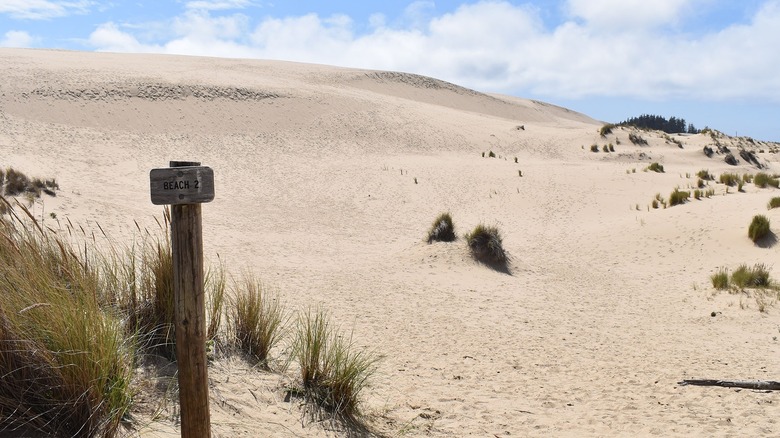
(774, 203)
(486, 246)
(656, 167)
(678, 197)
(334, 371)
(259, 320)
(759, 228)
(763, 180)
(720, 279)
(442, 229)
(756, 277)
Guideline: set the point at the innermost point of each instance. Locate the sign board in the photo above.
(182, 185)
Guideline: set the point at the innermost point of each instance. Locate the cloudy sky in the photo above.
(712, 62)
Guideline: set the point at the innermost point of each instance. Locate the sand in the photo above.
(327, 180)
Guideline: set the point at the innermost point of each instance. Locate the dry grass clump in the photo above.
(774, 203)
(333, 370)
(442, 229)
(759, 227)
(606, 129)
(486, 245)
(258, 318)
(65, 361)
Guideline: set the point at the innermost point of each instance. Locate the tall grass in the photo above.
(720, 279)
(757, 276)
(258, 318)
(65, 362)
(334, 371)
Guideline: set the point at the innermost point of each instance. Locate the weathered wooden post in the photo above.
(184, 186)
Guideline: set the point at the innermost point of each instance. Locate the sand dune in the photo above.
(326, 182)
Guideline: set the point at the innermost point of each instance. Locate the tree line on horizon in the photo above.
(672, 125)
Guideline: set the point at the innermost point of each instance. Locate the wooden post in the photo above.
(190, 315)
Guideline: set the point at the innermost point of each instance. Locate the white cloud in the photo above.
(16, 38)
(109, 38)
(216, 5)
(42, 9)
(628, 14)
(497, 46)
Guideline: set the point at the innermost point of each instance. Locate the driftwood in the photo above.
(764, 385)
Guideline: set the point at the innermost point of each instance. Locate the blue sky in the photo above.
(712, 62)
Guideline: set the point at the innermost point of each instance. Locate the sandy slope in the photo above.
(606, 307)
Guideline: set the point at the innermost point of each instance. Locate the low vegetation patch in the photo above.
(705, 175)
(442, 229)
(594, 147)
(486, 245)
(730, 179)
(755, 277)
(759, 228)
(678, 197)
(15, 183)
(655, 167)
(606, 129)
(637, 139)
(763, 180)
(774, 203)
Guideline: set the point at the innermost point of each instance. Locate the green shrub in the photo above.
(656, 167)
(700, 183)
(258, 318)
(605, 148)
(655, 203)
(720, 279)
(697, 194)
(442, 229)
(611, 147)
(774, 202)
(757, 276)
(486, 245)
(678, 197)
(747, 178)
(333, 370)
(594, 147)
(759, 227)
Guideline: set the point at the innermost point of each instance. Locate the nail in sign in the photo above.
(182, 185)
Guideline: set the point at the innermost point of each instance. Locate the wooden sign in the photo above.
(182, 185)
